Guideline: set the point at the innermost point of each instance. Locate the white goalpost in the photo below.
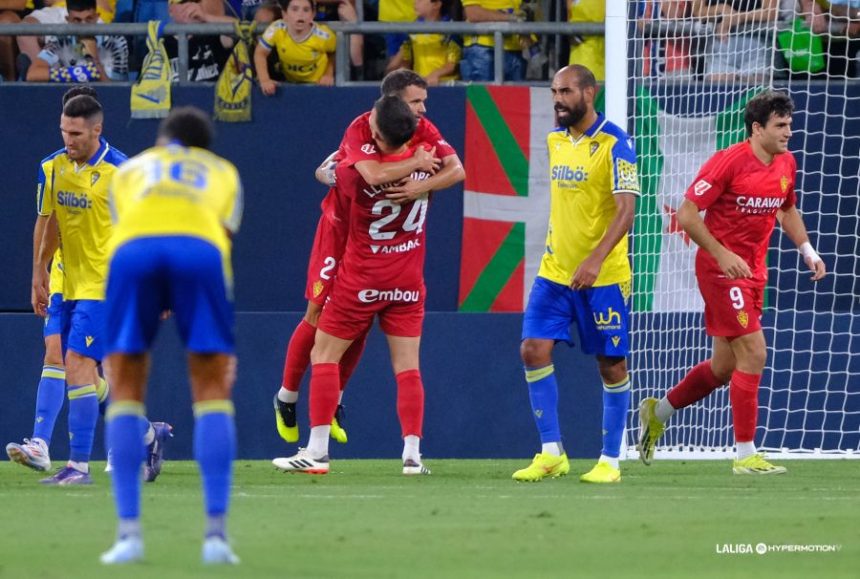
(688, 79)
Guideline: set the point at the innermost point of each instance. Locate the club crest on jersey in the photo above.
(783, 184)
(593, 149)
(743, 319)
(95, 177)
(317, 288)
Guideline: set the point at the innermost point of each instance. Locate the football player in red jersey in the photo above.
(745, 189)
(382, 274)
(330, 238)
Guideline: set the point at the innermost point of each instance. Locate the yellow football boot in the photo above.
(756, 464)
(337, 431)
(544, 465)
(650, 430)
(603, 472)
(285, 420)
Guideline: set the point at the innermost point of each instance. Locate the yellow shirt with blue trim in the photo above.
(585, 175)
(429, 52)
(55, 284)
(512, 42)
(78, 195)
(302, 61)
(175, 190)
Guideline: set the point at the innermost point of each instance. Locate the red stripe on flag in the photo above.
(484, 172)
(481, 241)
(514, 102)
(510, 299)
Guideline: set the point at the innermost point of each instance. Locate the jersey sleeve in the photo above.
(331, 41)
(431, 135)
(710, 183)
(791, 194)
(236, 205)
(45, 189)
(269, 37)
(625, 176)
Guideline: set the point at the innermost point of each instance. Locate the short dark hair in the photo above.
(760, 108)
(78, 90)
(395, 120)
(188, 125)
(584, 77)
(80, 5)
(83, 106)
(395, 82)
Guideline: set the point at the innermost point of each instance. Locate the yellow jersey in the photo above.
(585, 174)
(396, 11)
(302, 61)
(176, 190)
(512, 42)
(78, 195)
(429, 52)
(588, 51)
(55, 284)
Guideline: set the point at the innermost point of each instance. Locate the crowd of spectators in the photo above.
(706, 40)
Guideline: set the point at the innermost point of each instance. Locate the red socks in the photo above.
(697, 384)
(298, 355)
(350, 358)
(325, 391)
(743, 393)
(410, 402)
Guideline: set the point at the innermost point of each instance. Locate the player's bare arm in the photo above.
(587, 272)
(45, 243)
(377, 173)
(325, 172)
(731, 264)
(451, 173)
(792, 223)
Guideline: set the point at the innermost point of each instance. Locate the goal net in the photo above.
(691, 76)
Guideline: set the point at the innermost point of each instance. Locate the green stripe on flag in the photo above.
(510, 155)
(498, 271)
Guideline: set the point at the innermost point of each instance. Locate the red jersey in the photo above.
(358, 144)
(742, 195)
(385, 249)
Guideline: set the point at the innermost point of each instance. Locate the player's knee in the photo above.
(535, 353)
(79, 369)
(612, 369)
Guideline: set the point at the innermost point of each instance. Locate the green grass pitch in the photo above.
(468, 519)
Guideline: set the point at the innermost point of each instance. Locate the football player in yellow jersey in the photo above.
(305, 48)
(72, 199)
(584, 275)
(176, 207)
(588, 50)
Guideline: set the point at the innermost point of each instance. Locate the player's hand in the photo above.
(346, 11)
(427, 160)
(732, 265)
(39, 294)
(587, 272)
(326, 80)
(408, 190)
(90, 47)
(268, 87)
(816, 266)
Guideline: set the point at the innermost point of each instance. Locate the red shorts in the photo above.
(328, 248)
(731, 309)
(349, 313)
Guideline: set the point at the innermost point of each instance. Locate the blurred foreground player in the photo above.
(176, 208)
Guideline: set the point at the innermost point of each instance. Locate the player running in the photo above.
(331, 233)
(744, 189)
(381, 274)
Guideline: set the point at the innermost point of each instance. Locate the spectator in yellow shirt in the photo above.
(305, 48)
(478, 54)
(434, 56)
(588, 50)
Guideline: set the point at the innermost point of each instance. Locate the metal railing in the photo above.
(343, 30)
